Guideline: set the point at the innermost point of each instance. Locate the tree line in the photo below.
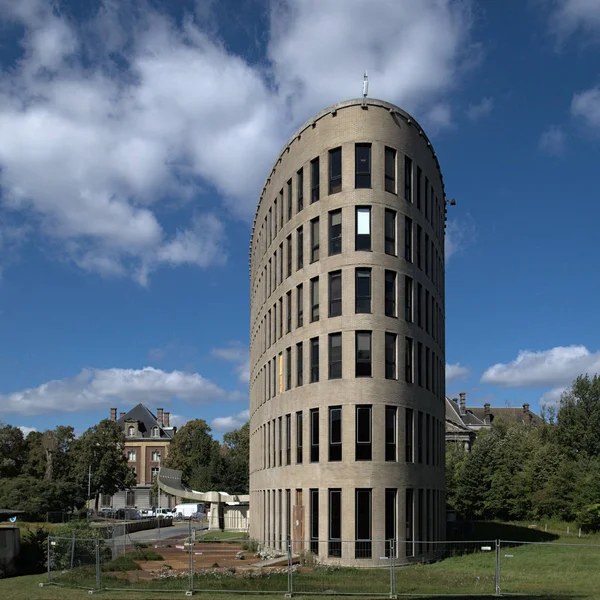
(56, 471)
(522, 472)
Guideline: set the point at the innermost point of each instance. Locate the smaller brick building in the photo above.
(148, 438)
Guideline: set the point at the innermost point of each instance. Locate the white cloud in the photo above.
(230, 423)
(177, 420)
(475, 112)
(460, 234)
(572, 16)
(92, 389)
(552, 397)
(552, 140)
(89, 150)
(586, 105)
(237, 353)
(558, 366)
(26, 430)
(455, 372)
(439, 117)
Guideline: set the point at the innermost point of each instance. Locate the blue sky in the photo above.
(135, 138)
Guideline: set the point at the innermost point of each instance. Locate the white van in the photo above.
(190, 510)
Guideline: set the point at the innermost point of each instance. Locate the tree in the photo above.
(13, 451)
(100, 460)
(236, 445)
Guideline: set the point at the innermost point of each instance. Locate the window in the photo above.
(130, 498)
(363, 433)
(289, 200)
(390, 433)
(426, 254)
(390, 231)
(420, 437)
(288, 311)
(408, 435)
(280, 444)
(427, 198)
(335, 293)
(314, 521)
(427, 368)
(314, 299)
(363, 228)
(300, 189)
(390, 170)
(419, 177)
(363, 291)
(335, 232)
(363, 354)
(288, 439)
(335, 356)
(154, 472)
(280, 303)
(299, 438)
(334, 544)
(131, 455)
(314, 240)
(427, 437)
(106, 499)
(408, 360)
(362, 177)
(408, 299)
(288, 368)
(408, 239)
(390, 293)
(299, 364)
(335, 170)
(275, 219)
(155, 432)
(390, 355)
(335, 433)
(362, 520)
(409, 512)
(314, 435)
(314, 180)
(419, 361)
(314, 360)
(299, 248)
(408, 175)
(131, 431)
(419, 305)
(390, 521)
(418, 245)
(299, 305)
(289, 256)
(155, 456)
(427, 311)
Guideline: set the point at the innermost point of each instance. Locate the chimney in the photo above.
(159, 416)
(486, 408)
(113, 414)
(526, 409)
(463, 403)
(166, 418)
(122, 414)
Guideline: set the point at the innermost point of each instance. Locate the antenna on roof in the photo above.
(365, 85)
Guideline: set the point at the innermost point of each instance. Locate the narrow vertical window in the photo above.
(299, 190)
(390, 293)
(408, 176)
(363, 291)
(280, 444)
(288, 514)
(408, 435)
(390, 521)
(282, 209)
(427, 311)
(427, 368)
(390, 433)
(390, 355)
(362, 176)
(289, 199)
(335, 232)
(288, 442)
(419, 361)
(299, 364)
(408, 299)
(363, 354)
(334, 544)
(299, 438)
(299, 248)
(427, 438)
(335, 293)
(390, 170)
(299, 305)
(288, 311)
(363, 228)
(335, 170)
(314, 435)
(362, 520)
(314, 360)
(418, 245)
(426, 255)
(288, 368)
(314, 240)
(408, 242)
(314, 299)
(275, 221)
(420, 437)
(314, 521)
(419, 305)
(280, 304)
(409, 517)
(390, 232)
(335, 433)
(314, 180)
(408, 360)
(335, 356)
(289, 256)
(419, 177)
(281, 262)
(363, 449)
(427, 198)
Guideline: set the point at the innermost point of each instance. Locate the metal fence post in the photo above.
(290, 574)
(191, 556)
(49, 555)
(97, 563)
(73, 549)
(392, 573)
(497, 575)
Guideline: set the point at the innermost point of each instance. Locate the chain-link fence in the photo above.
(190, 563)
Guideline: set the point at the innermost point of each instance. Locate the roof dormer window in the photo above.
(155, 432)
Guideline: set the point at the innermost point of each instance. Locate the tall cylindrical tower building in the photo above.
(347, 340)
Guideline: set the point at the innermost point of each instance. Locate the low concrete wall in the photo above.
(10, 545)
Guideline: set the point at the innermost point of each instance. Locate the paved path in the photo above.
(162, 533)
